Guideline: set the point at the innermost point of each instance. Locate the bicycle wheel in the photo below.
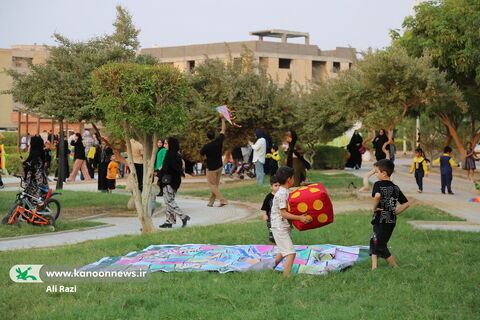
(52, 207)
(10, 212)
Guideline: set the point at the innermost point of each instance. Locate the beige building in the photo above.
(303, 62)
(17, 58)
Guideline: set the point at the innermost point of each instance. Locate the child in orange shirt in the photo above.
(112, 171)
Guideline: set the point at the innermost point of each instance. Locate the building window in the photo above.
(284, 63)
(349, 66)
(336, 67)
(319, 70)
(191, 65)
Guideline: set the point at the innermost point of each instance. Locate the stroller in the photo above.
(243, 169)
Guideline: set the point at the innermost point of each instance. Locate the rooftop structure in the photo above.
(282, 34)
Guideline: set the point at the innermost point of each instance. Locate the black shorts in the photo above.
(111, 184)
(379, 240)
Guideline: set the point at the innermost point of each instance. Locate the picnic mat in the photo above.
(313, 259)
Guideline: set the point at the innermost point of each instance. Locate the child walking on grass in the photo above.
(446, 163)
(385, 197)
(267, 206)
(112, 171)
(280, 220)
(419, 166)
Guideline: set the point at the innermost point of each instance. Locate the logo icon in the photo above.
(26, 273)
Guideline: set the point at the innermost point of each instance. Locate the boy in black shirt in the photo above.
(385, 194)
(267, 205)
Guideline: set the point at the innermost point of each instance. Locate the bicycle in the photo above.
(41, 211)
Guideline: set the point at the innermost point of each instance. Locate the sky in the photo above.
(360, 24)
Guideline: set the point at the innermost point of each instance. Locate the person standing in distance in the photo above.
(213, 152)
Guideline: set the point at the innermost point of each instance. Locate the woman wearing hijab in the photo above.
(80, 158)
(259, 153)
(171, 176)
(36, 183)
(295, 159)
(378, 143)
(105, 152)
(355, 160)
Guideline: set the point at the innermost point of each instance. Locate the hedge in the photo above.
(14, 163)
(9, 138)
(328, 157)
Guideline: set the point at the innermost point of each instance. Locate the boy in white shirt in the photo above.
(280, 220)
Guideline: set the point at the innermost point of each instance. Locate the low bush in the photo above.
(328, 157)
(9, 138)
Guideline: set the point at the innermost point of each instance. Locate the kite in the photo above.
(314, 201)
(474, 200)
(228, 114)
(312, 259)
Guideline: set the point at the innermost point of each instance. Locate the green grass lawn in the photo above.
(438, 278)
(68, 200)
(27, 229)
(72, 199)
(336, 185)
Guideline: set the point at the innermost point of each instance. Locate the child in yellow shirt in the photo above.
(446, 163)
(112, 171)
(419, 166)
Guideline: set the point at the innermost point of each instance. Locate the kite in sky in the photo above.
(228, 114)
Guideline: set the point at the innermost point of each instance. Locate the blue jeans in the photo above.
(259, 172)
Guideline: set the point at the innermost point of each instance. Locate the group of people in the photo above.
(385, 193)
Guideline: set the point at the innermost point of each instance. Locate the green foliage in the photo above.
(328, 157)
(61, 87)
(9, 138)
(146, 59)
(14, 162)
(245, 87)
(324, 119)
(140, 100)
(447, 31)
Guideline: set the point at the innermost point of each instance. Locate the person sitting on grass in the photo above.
(280, 220)
(267, 205)
(385, 197)
(112, 171)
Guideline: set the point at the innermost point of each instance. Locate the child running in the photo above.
(112, 171)
(280, 220)
(385, 197)
(267, 205)
(446, 163)
(419, 166)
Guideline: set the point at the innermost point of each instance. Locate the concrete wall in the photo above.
(268, 54)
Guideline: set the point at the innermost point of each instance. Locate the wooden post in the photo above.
(53, 131)
(38, 125)
(19, 135)
(26, 123)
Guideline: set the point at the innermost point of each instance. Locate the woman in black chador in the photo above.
(378, 143)
(355, 160)
(36, 183)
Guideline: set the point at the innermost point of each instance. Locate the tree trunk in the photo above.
(143, 214)
(454, 134)
(60, 158)
(26, 124)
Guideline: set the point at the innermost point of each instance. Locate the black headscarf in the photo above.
(36, 149)
(291, 148)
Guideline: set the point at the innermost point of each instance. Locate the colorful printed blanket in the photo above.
(313, 259)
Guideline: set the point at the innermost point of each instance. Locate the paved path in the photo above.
(200, 214)
(456, 205)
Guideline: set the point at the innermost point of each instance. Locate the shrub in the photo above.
(14, 163)
(10, 149)
(328, 157)
(9, 138)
